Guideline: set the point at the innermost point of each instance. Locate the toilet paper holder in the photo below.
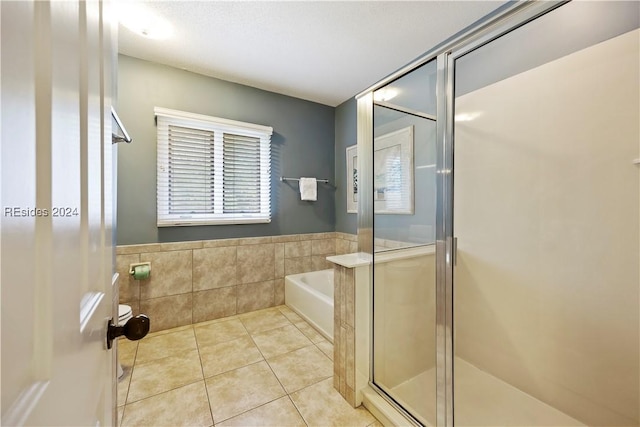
(140, 270)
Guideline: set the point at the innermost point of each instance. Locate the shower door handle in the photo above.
(454, 251)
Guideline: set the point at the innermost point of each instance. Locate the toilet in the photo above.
(124, 314)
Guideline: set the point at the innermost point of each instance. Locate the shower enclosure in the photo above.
(404, 208)
(501, 201)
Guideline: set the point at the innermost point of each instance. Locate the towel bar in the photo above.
(283, 178)
(115, 138)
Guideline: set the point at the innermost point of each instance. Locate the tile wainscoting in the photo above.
(204, 280)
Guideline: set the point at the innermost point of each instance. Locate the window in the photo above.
(212, 170)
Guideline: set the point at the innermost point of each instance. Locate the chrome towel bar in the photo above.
(115, 138)
(284, 178)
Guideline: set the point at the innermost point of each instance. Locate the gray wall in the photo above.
(345, 136)
(417, 228)
(302, 145)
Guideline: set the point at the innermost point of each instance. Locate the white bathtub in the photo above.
(311, 296)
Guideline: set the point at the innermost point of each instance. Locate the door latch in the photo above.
(135, 329)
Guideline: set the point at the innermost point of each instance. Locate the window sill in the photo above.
(195, 222)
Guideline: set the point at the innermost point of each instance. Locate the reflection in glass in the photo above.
(403, 230)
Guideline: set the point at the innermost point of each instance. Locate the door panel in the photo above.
(547, 220)
(404, 271)
(56, 247)
(18, 232)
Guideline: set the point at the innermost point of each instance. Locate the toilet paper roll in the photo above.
(141, 272)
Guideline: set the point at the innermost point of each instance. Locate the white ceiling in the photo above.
(322, 51)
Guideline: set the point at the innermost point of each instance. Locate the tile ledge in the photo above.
(353, 260)
(359, 259)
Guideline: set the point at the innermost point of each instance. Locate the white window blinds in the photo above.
(212, 170)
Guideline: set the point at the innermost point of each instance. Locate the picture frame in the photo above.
(393, 172)
(352, 179)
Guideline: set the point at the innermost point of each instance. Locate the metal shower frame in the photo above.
(502, 21)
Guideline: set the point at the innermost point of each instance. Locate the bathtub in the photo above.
(311, 296)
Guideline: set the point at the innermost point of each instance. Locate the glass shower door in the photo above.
(546, 215)
(404, 357)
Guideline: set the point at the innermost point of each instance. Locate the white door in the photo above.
(56, 220)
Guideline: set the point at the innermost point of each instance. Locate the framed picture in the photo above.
(393, 172)
(352, 179)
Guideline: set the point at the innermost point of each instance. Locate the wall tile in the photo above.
(214, 268)
(350, 396)
(328, 235)
(170, 274)
(255, 263)
(285, 238)
(180, 246)
(337, 302)
(223, 276)
(346, 236)
(307, 236)
(353, 247)
(342, 246)
(297, 249)
(297, 265)
(343, 295)
(343, 360)
(319, 262)
(349, 301)
(137, 249)
(168, 312)
(323, 247)
(278, 250)
(128, 286)
(219, 243)
(255, 296)
(254, 240)
(350, 359)
(214, 304)
(315, 236)
(344, 332)
(278, 292)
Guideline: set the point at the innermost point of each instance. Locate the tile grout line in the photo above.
(199, 348)
(263, 356)
(264, 359)
(302, 332)
(312, 344)
(161, 358)
(163, 392)
(135, 356)
(192, 268)
(235, 281)
(124, 405)
(298, 410)
(273, 372)
(204, 380)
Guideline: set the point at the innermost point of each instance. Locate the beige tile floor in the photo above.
(264, 368)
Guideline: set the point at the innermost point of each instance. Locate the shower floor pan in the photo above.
(481, 400)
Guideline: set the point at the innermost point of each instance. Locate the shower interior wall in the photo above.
(547, 220)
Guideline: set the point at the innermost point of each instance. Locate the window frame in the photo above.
(167, 117)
